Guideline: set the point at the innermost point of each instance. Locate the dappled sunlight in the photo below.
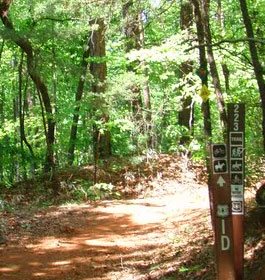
(132, 238)
(39, 274)
(9, 269)
(85, 242)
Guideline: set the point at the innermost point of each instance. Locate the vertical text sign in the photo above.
(236, 115)
(220, 183)
(236, 128)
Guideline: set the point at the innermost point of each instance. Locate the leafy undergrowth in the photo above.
(144, 220)
(128, 177)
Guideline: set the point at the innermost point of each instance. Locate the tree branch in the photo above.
(233, 41)
(26, 46)
(56, 19)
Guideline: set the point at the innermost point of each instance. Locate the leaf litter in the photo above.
(160, 229)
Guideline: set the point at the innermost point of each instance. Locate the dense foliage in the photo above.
(150, 59)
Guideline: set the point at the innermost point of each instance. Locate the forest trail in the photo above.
(121, 239)
(162, 231)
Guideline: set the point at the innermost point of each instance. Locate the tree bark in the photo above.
(203, 65)
(205, 105)
(1, 117)
(78, 97)
(213, 69)
(186, 115)
(134, 34)
(220, 18)
(258, 69)
(26, 46)
(146, 93)
(98, 69)
(23, 138)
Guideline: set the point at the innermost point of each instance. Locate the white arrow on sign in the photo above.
(221, 182)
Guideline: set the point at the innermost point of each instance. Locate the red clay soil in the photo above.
(126, 239)
(164, 236)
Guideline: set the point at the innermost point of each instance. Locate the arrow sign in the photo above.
(221, 182)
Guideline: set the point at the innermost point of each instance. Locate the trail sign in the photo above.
(222, 219)
(236, 127)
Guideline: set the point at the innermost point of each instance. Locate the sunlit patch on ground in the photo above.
(164, 233)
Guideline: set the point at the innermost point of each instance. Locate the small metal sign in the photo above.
(219, 151)
(222, 210)
(237, 179)
(220, 166)
(237, 206)
(237, 165)
(236, 152)
(237, 191)
(236, 138)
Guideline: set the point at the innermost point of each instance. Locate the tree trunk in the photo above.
(146, 93)
(258, 69)
(78, 97)
(220, 18)
(98, 69)
(1, 125)
(26, 46)
(203, 65)
(213, 69)
(205, 105)
(132, 29)
(186, 116)
(148, 113)
(132, 33)
(1, 50)
(226, 73)
(23, 138)
(1, 117)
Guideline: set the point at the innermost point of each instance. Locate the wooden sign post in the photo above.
(222, 219)
(236, 129)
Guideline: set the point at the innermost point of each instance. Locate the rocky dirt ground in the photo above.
(159, 229)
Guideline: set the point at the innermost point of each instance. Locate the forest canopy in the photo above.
(84, 80)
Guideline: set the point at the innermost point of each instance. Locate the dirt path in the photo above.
(126, 239)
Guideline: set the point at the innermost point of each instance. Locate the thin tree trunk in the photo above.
(15, 174)
(1, 116)
(220, 18)
(1, 50)
(258, 69)
(21, 126)
(226, 73)
(146, 93)
(213, 69)
(148, 113)
(78, 97)
(1, 125)
(23, 138)
(26, 46)
(54, 94)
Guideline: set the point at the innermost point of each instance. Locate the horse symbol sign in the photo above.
(236, 165)
(220, 166)
(219, 158)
